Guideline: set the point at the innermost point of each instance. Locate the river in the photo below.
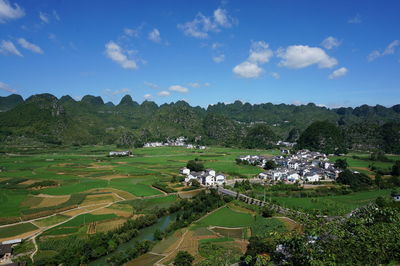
(144, 234)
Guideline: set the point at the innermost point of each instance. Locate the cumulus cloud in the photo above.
(201, 25)
(207, 84)
(8, 48)
(330, 43)
(338, 73)
(163, 93)
(275, 75)
(178, 88)
(259, 54)
(219, 58)
(44, 17)
(355, 20)
(132, 32)
(154, 35)
(30, 46)
(10, 11)
(117, 54)
(247, 70)
(147, 96)
(5, 87)
(300, 56)
(390, 49)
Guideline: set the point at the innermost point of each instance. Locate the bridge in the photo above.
(253, 201)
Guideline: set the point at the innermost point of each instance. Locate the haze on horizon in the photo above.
(334, 54)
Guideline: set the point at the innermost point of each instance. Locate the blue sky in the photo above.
(332, 53)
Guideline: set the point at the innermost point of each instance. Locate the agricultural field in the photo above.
(36, 181)
(332, 205)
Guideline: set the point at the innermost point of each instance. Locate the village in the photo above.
(305, 166)
(178, 142)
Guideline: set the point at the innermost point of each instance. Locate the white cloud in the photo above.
(30, 46)
(56, 16)
(247, 70)
(330, 43)
(9, 11)
(178, 88)
(151, 85)
(338, 73)
(216, 45)
(5, 87)
(195, 85)
(163, 93)
(207, 84)
(390, 49)
(221, 17)
(147, 96)
(154, 35)
(7, 47)
(219, 58)
(300, 56)
(44, 17)
(275, 75)
(260, 53)
(355, 20)
(117, 54)
(202, 25)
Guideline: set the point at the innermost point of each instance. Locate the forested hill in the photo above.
(45, 118)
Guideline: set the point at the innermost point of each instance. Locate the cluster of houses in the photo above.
(207, 178)
(6, 249)
(178, 142)
(305, 165)
(119, 153)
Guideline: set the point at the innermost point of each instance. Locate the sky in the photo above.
(331, 53)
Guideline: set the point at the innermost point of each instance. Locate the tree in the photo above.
(183, 258)
(267, 212)
(354, 180)
(270, 165)
(195, 166)
(259, 136)
(194, 183)
(378, 180)
(341, 163)
(396, 169)
(322, 136)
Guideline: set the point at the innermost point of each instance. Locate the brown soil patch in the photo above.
(121, 213)
(121, 193)
(190, 244)
(291, 224)
(109, 177)
(146, 259)
(31, 201)
(92, 228)
(109, 225)
(99, 166)
(28, 182)
(48, 202)
(99, 198)
(22, 236)
(121, 162)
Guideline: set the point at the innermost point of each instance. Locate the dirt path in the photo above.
(172, 251)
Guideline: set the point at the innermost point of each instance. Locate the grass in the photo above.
(226, 217)
(332, 205)
(78, 224)
(147, 205)
(15, 230)
(264, 226)
(215, 240)
(51, 220)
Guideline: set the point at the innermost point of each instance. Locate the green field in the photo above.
(75, 225)
(332, 205)
(226, 217)
(18, 229)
